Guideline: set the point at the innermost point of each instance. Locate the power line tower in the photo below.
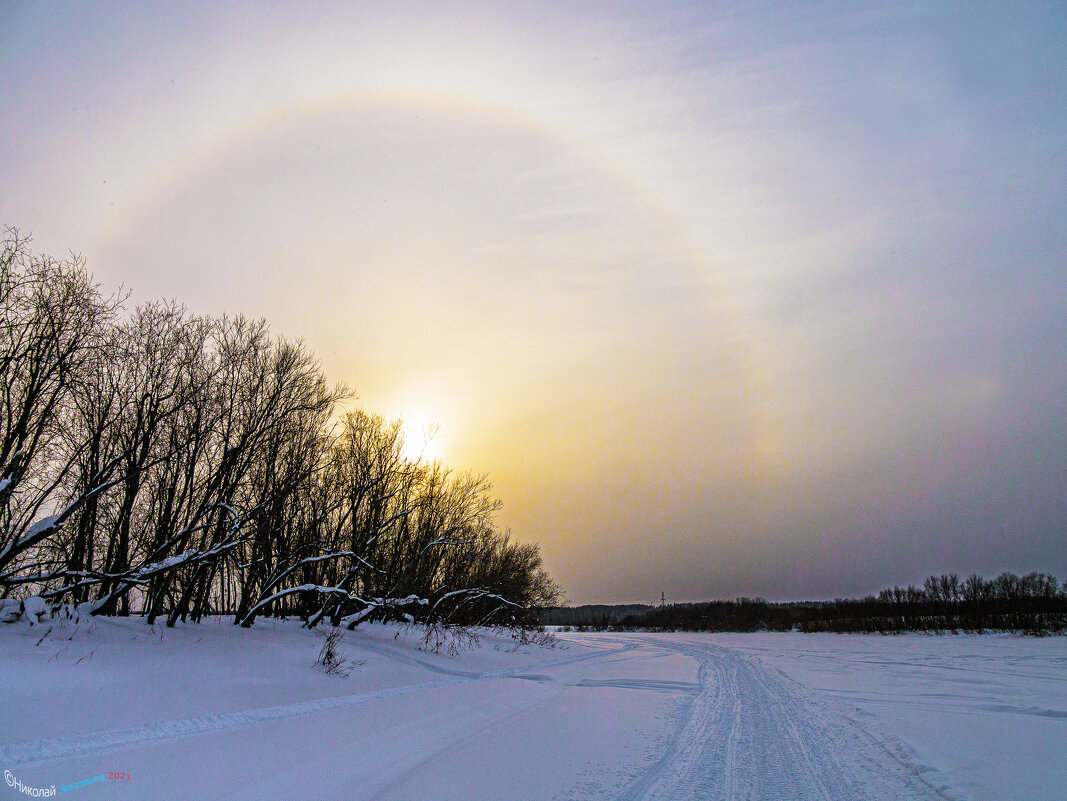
(662, 599)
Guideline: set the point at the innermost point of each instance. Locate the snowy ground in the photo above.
(984, 717)
(218, 712)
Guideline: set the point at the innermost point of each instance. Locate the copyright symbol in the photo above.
(9, 778)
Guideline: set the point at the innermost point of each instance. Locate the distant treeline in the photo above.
(172, 465)
(1034, 604)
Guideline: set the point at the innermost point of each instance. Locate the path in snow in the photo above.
(751, 734)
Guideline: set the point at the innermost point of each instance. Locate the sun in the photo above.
(422, 439)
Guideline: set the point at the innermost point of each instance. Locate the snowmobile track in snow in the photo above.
(748, 733)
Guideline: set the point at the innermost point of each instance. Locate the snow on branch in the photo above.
(174, 562)
(351, 621)
(474, 595)
(248, 618)
(307, 561)
(47, 526)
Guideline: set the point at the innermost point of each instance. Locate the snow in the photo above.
(985, 715)
(41, 525)
(10, 610)
(34, 610)
(214, 710)
(166, 564)
(34, 531)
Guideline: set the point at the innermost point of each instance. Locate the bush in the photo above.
(332, 657)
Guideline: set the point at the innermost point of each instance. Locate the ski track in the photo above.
(751, 734)
(33, 751)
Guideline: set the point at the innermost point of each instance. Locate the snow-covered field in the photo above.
(213, 711)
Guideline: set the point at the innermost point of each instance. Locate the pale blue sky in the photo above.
(729, 299)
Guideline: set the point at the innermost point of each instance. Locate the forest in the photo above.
(160, 463)
(1034, 604)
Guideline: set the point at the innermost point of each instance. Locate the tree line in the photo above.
(173, 465)
(1035, 604)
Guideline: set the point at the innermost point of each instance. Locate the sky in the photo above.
(726, 298)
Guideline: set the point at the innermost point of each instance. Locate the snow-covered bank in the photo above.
(107, 673)
(212, 710)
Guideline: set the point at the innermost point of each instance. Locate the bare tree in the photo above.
(52, 318)
(177, 465)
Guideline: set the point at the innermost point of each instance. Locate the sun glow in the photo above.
(422, 439)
